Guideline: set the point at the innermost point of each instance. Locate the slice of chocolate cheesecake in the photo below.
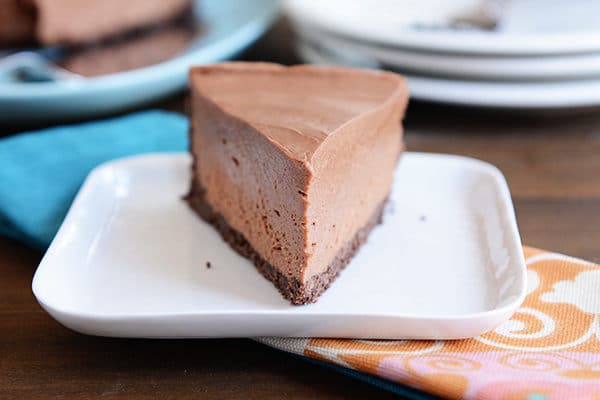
(293, 165)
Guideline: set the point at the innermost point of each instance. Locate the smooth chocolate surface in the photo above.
(295, 159)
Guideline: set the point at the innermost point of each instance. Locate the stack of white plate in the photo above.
(532, 54)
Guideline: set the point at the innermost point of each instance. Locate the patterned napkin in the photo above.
(550, 349)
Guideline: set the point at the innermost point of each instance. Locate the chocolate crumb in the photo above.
(208, 265)
(277, 212)
(278, 248)
(235, 161)
(303, 194)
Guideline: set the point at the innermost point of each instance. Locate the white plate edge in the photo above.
(451, 41)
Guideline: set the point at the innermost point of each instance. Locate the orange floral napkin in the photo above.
(549, 349)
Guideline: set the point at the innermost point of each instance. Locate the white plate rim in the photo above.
(489, 94)
(505, 68)
(478, 42)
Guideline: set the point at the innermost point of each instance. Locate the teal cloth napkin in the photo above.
(41, 171)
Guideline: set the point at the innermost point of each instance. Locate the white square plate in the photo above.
(130, 261)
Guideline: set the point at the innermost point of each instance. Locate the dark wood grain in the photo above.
(552, 164)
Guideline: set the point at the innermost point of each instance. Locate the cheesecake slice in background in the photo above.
(53, 22)
(294, 165)
(77, 21)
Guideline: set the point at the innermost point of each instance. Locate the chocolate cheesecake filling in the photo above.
(290, 287)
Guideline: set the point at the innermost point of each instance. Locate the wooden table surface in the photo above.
(551, 162)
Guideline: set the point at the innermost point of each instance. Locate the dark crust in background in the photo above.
(290, 287)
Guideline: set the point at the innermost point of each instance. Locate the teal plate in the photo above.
(230, 27)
